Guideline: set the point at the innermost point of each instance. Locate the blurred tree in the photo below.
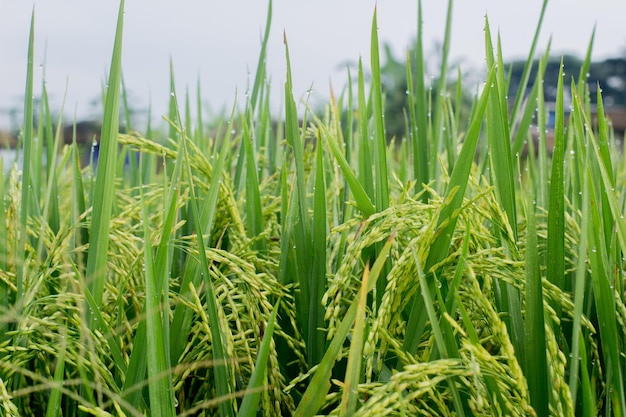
(610, 74)
(394, 83)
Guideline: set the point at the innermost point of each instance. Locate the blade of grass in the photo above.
(455, 192)
(26, 168)
(419, 111)
(444, 341)
(182, 319)
(438, 117)
(317, 280)
(54, 404)
(604, 295)
(260, 74)
(556, 215)
(499, 137)
(158, 365)
(380, 141)
(603, 290)
(542, 188)
(579, 293)
(250, 401)
(502, 173)
(52, 145)
(300, 232)
(366, 176)
(81, 235)
(536, 369)
(361, 198)
(349, 396)
(105, 178)
(536, 96)
(314, 396)
(137, 362)
(223, 384)
(254, 215)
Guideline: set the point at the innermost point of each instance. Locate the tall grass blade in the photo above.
(157, 363)
(366, 177)
(54, 405)
(499, 137)
(438, 117)
(604, 293)
(260, 74)
(223, 384)
(444, 341)
(300, 225)
(358, 190)
(502, 173)
(105, 178)
(556, 206)
(52, 145)
(181, 322)
(314, 396)
(254, 215)
(317, 280)
(419, 110)
(162, 269)
(542, 188)
(349, 396)
(250, 401)
(81, 235)
(579, 294)
(380, 141)
(603, 280)
(448, 216)
(536, 367)
(26, 169)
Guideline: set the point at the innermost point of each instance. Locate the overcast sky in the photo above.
(218, 42)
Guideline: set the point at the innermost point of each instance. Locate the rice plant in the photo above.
(302, 264)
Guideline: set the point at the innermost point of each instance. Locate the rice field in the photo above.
(302, 264)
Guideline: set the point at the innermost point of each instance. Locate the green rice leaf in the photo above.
(254, 215)
(448, 216)
(104, 195)
(26, 169)
(349, 396)
(536, 367)
(54, 405)
(380, 140)
(437, 137)
(366, 177)
(418, 110)
(579, 294)
(250, 401)
(260, 75)
(361, 198)
(556, 215)
(317, 281)
(223, 384)
(314, 396)
(161, 398)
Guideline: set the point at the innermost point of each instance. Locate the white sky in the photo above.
(219, 41)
